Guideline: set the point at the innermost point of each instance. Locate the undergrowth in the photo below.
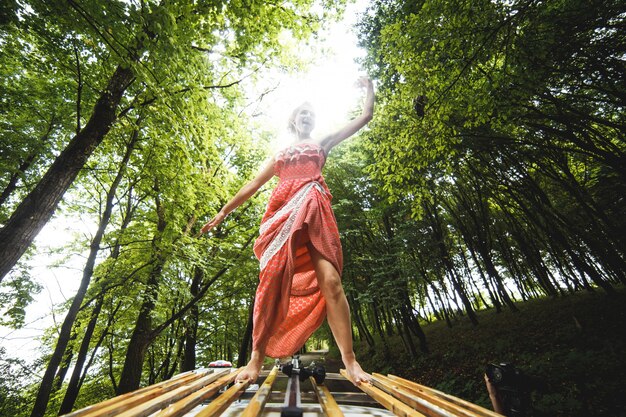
(574, 346)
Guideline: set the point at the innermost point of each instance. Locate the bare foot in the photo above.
(251, 371)
(357, 374)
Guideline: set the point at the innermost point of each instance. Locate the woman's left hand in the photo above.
(364, 82)
(219, 217)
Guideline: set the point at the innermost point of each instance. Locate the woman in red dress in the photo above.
(298, 247)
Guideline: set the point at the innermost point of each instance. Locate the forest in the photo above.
(492, 175)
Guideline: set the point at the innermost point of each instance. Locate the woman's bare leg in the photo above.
(338, 313)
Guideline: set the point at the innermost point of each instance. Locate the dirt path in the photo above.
(321, 357)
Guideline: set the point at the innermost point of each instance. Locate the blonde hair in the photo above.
(291, 123)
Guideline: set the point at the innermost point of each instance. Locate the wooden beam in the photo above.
(187, 403)
(121, 403)
(257, 403)
(222, 402)
(390, 403)
(430, 405)
(440, 397)
(326, 400)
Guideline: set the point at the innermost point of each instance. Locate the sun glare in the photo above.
(329, 83)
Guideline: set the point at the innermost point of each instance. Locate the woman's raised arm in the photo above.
(358, 122)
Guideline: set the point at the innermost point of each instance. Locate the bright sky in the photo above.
(328, 84)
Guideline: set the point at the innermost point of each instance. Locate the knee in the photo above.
(332, 289)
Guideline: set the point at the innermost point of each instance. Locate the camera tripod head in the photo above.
(295, 368)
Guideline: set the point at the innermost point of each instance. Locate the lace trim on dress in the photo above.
(292, 207)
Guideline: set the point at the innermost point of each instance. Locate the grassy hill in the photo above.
(575, 345)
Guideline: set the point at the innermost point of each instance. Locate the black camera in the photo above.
(503, 374)
(514, 388)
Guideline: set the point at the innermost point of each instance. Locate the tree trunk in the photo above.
(25, 165)
(191, 325)
(64, 366)
(80, 369)
(358, 319)
(445, 258)
(39, 205)
(404, 331)
(378, 326)
(242, 358)
(45, 388)
(73, 386)
(142, 336)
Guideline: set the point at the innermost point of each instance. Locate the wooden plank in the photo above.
(222, 402)
(124, 402)
(389, 402)
(148, 407)
(421, 404)
(186, 404)
(257, 403)
(419, 389)
(326, 400)
(431, 406)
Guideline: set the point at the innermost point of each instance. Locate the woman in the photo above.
(298, 247)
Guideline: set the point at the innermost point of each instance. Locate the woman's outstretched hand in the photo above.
(364, 82)
(219, 217)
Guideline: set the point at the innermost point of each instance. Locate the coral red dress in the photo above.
(289, 306)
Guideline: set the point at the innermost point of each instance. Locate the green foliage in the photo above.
(34, 112)
(15, 294)
(493, 169)
(13, 376)
(576, 361)
(494, 127)
(180, 147)
(490, 74)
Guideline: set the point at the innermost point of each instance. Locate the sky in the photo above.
(328, 84)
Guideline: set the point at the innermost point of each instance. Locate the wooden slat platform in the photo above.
(187, 394)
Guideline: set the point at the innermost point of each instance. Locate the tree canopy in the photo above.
(132, 113)
(492, 172)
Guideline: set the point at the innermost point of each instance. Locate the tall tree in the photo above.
(163, 46)
(512, 95)
(45, 387)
